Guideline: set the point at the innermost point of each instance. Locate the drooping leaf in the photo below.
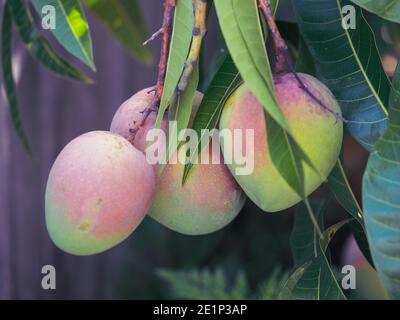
(381, 198)
(387, 9)
(71, 29)
(304, 239)
(340, 187)
(6, 59)
(180, 112)
(291, 282)
(313, 278)
(286, 156)
(241, 28)
(179, 48)
(38, 46)
(125, 21)
(289, 159)
(348, 63)
(222, 85)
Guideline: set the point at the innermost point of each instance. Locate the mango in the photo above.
(318, 132)
(98, 191)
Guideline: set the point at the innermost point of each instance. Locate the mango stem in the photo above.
(283, 61)
(199, 31)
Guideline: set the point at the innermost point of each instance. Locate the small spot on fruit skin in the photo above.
(86, 224)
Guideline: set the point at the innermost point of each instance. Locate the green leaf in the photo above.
(205, 284)
(291, 282)
(348, 63)
(38, 46)
(288, 158)
(387, 9)
(381, 198)
(72, 29)
(181, 111)
(225, 81)
(241, 28)
(6, 58)
(125, 21)
(340, 187)
(313, 278)
(179, 48)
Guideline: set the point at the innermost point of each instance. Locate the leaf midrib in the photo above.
(377, 97)
(83, 49)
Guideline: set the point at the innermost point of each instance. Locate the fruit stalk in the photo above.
(279, 43)
(165, 30)
(199, 31)
(283, 61)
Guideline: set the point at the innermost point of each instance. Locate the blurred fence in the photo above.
(54, 111)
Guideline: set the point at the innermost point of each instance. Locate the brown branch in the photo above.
(165, 30)
(279, 43)
(283, 59)
(199, 31)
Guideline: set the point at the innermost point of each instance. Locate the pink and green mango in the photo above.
(317, 131)
(98, 191)
(132, 110)
(210, 198)
(208, 201)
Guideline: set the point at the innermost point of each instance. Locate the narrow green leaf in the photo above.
(291, 282)
(125, 21)
(72, 29)
(340, 187)
(289, 159)
(304, 238)
(181, 111)
(6, 59)
(348, 62)
(381, 198)
(38, 46)
(313, 278)
(241, 28)
(286, 156)
(179, 48)
(387, 9)
(224, 82)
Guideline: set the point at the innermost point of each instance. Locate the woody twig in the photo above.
(165, 30)
(199, 31)
(283, 61)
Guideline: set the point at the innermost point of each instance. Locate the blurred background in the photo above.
(252, 254)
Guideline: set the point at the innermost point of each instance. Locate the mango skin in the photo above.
(316, 130)
(98, 191)
(131, 111)
(210, 198)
